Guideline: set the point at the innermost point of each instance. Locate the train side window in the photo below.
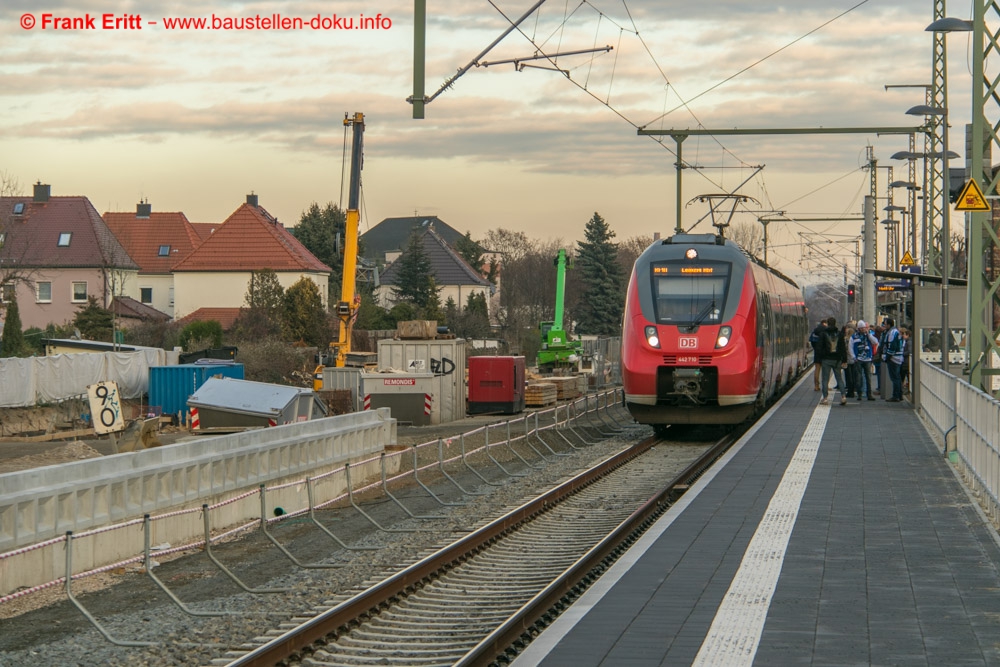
(763, 327)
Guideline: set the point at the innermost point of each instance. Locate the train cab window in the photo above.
(689, 294)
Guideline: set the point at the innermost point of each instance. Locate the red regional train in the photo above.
(709, 335)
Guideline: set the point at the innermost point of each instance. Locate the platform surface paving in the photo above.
(834, 535)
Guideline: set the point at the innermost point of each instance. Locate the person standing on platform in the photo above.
(848, 333)
(815, 339)
(904, 370)
(834, 359)
(860, 350)
(879, 333)
(892, 356)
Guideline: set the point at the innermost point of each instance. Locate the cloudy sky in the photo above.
(193, 120)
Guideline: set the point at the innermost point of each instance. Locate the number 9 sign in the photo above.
(105, 407)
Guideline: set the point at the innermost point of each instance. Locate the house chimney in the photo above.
(143, 209)
(656, 236)
(42, 193)
(252, 200)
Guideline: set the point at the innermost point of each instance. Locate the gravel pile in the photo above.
(132, 608)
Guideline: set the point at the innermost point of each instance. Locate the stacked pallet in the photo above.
(540, 394)
(416, 329)
(566, 387)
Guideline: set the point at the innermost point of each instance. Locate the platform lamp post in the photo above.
(911, 199)
(982, 242)
(892, 236)
(926, 110)
(926, 233)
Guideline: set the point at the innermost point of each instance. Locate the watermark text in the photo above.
(49, 21)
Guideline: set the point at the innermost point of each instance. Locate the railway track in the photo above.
(476, 600)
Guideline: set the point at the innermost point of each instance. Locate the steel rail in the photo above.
(519, 629)
(342, 616)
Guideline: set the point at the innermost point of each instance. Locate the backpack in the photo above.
(831, 343)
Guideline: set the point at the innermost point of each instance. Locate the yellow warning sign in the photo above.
(907, 259)
(972, 198)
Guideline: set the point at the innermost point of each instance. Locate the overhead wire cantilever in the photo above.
(717, 201)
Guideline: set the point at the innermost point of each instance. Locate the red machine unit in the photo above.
(496, 385)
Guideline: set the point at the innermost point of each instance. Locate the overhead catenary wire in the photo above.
(558, 34)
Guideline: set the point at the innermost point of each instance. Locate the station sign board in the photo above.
(892, 285)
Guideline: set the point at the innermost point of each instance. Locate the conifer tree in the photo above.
(318, 230)
(94, 321)
(601, 303)
(12, 343)
(261, 315)
(305, 318)
(471, 251)
(414, 282)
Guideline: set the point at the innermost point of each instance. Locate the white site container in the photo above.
(443, 359)
(410, 397)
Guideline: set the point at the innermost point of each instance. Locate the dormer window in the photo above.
(19, 208)
(164, 251)
(64, 239)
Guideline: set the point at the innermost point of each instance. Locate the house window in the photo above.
(171, 297)
(79, 292)
(164, 251)
(146, 294)
(43, 292)
(3, 237)
(7, 293)
(64, 239)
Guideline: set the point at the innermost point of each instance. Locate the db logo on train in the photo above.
(687, 342)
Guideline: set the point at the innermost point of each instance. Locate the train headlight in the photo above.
(652, 338)
(724, 335)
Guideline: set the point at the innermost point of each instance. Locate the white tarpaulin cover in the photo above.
(26, 382)
(17, 383)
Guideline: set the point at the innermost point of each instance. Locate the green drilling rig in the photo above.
(558, 351)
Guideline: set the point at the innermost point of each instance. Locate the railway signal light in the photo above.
(850, 294)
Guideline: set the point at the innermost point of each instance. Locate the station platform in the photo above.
(829, 535)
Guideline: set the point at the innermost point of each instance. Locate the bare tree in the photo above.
(13, 249)
(959, 256)
(10, 185)
(630, 249)
(748, 236)
(527, 282)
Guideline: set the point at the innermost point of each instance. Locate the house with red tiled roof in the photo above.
(55, 253)
(128, 309)
(204, 229)
(217, 273)
(156, 241)
(226, 317)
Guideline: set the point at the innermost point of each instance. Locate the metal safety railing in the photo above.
(966, 423)
(529, 441)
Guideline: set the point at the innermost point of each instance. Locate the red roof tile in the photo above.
(205, 229)
(251, 240)
(143, 238)
(125, 306)
(224, 316)
(32, 237)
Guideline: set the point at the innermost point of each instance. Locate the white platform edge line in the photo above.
(739, 621)
(544, 643)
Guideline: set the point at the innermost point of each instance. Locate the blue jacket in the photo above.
(861, 346)
(893, 350)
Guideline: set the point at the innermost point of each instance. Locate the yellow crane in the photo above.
(350, 301)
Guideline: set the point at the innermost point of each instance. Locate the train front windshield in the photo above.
(689, 293)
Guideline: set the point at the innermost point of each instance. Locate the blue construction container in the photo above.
(171, 386)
